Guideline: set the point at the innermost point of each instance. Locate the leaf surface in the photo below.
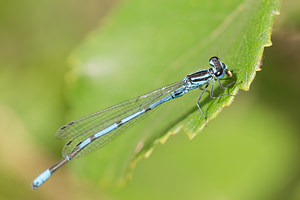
(144, 45)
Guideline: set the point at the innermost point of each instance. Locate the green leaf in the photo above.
(144, 45)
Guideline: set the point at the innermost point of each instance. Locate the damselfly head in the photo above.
(218, 67)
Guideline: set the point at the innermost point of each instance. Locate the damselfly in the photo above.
(94, 131)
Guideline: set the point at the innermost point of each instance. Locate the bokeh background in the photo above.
(250, 151)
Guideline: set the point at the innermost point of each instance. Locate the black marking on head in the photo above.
(78, 144)
(119, 123)
(214, 58)
(215, 62)
(68, 143)
(224, 66)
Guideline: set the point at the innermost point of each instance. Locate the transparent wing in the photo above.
(84, 127)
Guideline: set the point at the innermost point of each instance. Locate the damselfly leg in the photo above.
(211, 94)
(198, 104)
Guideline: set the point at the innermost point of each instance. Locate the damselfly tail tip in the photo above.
(40, 179)
(36, 183)
(34, 187)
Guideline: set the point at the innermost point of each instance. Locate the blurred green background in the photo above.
(250, 151)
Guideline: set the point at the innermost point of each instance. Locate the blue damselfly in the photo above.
(94, 131)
